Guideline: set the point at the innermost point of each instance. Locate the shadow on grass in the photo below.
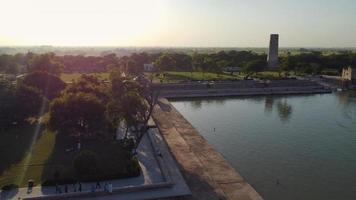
(14, 143)
(113, 161)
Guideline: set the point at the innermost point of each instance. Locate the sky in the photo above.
(178, 23)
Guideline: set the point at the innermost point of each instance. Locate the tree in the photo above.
(18, 103)
(287, 63)
(132, 103)
(29, 102)
(50, 85)
(7, 104)
(254, 66)
(209, 64)
(79, 115)
(91, 85)
(198, 62)
(45, 63)
(10, 64)
(165, 63)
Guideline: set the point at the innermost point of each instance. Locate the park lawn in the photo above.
(179, 76)
(32, 163)
(70, 77)
(49, 155)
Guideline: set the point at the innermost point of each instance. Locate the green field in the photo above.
(19, 162)
(175, 76)
(70, 77)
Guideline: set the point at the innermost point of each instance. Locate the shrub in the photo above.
(86, 163)
(134, 167)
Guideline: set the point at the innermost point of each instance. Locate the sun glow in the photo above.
(79, 22)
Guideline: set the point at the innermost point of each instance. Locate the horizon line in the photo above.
(171, 47)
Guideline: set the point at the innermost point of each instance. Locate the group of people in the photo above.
(107, 187)
(77, 187)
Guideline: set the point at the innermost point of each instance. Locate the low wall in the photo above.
(240, 88)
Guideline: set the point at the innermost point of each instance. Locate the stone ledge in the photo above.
(206, 172)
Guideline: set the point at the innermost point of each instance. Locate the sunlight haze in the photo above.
(209, 23)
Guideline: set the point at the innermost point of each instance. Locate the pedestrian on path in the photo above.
(57, 189)
(66, 188)
(80, 187)
(110, 187)
(106, 187)
(98, 186)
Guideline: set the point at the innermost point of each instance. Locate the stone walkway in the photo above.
(207, 173)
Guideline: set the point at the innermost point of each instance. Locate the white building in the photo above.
(148, 67)
(349, 74)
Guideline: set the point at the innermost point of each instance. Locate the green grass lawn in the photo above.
(178, 76)
(28, 164)
(69, 77)
(49, 154)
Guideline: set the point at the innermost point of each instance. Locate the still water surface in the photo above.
(286, 147)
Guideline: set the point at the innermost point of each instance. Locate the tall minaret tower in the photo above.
(272, 58)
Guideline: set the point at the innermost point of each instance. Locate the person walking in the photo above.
(57, 189)
(98, 186)
(110, 187)
(106, 187)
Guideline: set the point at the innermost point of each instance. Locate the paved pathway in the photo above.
(207, 173)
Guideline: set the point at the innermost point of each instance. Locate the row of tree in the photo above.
(87, 108)
(92, 108)
(309, 62)
(315, 62)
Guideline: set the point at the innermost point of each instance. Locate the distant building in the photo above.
(349, 74)
(148, 67)
(272, 58)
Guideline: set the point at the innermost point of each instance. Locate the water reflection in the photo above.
(280, 104)
(269, 101)
(196, 104)
(346, 98)
(284, 110)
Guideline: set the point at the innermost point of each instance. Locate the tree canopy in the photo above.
(45, 63)
(50, 85)
(18, 102)
(79, 115)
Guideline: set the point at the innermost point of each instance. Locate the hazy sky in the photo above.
(221, 23)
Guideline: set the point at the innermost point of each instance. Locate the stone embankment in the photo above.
(206, 172)
(240, 88)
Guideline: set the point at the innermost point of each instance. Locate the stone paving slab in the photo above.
(206, 172)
